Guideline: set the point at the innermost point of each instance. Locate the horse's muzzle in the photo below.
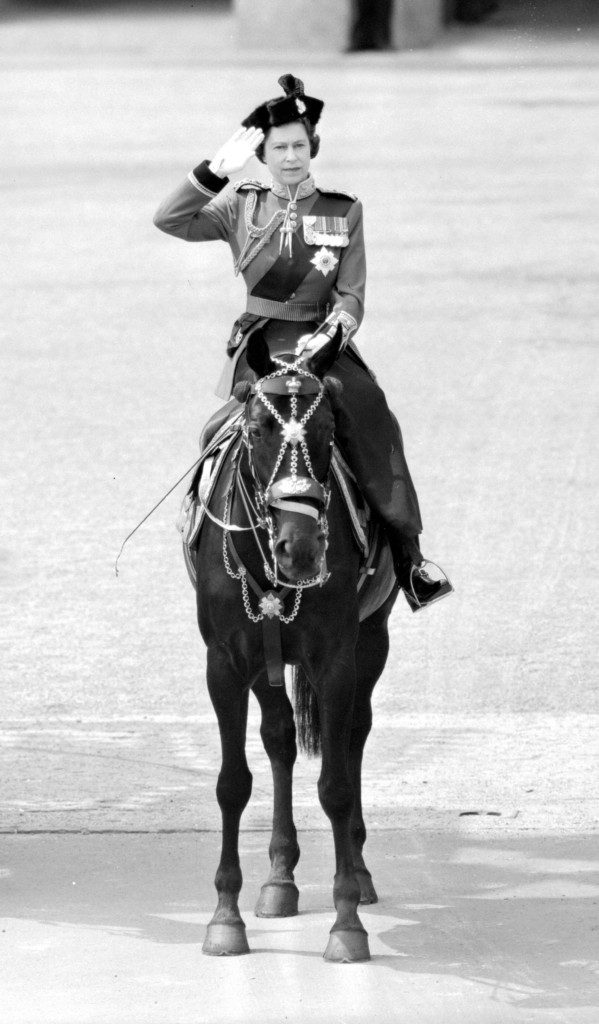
(300, 547)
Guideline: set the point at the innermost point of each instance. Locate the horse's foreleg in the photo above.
(226, 932)
(279, 894)
(348, 940)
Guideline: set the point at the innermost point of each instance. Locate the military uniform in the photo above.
(315, 271)
(301, 252)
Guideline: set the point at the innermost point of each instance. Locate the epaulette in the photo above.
(337, 192)
(245, 183)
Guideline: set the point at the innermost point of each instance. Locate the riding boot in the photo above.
(371, 440)
(422, 581)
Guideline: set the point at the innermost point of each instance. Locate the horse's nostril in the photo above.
(300, 554)
(281, 548)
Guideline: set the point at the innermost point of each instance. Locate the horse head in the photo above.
(289, 431)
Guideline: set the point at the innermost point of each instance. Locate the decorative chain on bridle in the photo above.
(242, 574)
(293, 431)
(281, 494)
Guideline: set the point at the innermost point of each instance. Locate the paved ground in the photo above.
(477, 165)
(519, 773)
(468, 930)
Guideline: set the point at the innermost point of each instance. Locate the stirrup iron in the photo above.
(431, 573)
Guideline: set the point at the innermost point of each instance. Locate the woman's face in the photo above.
(287, 153)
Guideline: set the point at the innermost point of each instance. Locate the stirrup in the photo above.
(441, 585)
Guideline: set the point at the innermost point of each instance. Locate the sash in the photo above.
(286, 274)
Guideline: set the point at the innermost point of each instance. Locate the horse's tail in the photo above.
(306, 713)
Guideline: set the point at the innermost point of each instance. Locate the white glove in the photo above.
(308, 344)
(234, 155)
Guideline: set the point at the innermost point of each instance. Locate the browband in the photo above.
(288, 385)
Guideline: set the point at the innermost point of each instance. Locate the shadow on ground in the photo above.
(518, 916)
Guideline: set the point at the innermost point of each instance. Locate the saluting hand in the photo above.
(235, 153)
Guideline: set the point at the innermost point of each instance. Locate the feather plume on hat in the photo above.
(293, 106)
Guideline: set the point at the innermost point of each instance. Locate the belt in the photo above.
(286, 310)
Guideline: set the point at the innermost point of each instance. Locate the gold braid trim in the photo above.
(261, 236)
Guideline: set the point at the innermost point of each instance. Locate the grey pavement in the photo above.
(105, 929)
(476, 162)
(513, 773)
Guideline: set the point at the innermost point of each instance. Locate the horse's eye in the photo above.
(255, 432)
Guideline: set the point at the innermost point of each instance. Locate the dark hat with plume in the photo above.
(293, 106)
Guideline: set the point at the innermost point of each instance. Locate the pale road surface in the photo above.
(476, 162)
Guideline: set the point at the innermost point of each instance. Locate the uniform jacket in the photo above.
(321, 279)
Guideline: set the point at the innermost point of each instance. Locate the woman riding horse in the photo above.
(300, 249)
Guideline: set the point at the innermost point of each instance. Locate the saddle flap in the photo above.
(357, 509)
(377, 575)
(204, 482)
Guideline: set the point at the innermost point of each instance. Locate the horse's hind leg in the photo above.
(371, 655)
(226, 932)
(279, 894)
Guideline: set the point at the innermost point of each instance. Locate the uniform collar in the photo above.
(305, 188)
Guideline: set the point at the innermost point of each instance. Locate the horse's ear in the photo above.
(322, 360)
(258, 355)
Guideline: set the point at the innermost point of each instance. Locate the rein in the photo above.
(247, 503)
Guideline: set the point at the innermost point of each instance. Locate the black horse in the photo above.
(277, 551)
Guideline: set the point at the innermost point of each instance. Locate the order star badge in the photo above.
(270, 605)
(324, 260)
(293, 432)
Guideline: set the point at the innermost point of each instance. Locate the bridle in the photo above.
(298, 492)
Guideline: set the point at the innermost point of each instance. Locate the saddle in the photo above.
(222, 439)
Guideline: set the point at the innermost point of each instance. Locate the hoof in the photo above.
(277, 899)
(225, 940)
(347, 947)
(367, 889)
